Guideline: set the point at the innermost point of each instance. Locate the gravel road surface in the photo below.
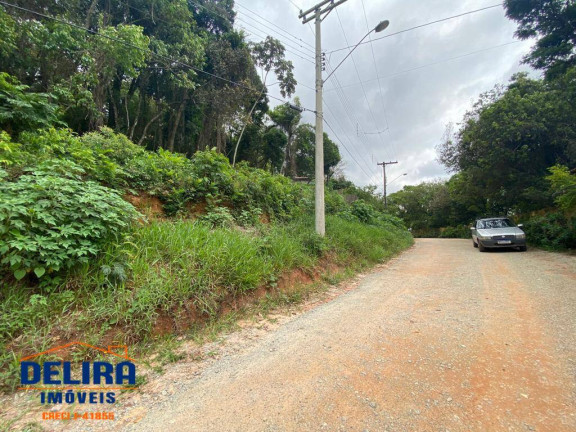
(443, 338)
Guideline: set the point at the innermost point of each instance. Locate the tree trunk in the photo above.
(89, 14)
(172, 136)
(206, 133)
(152, 120)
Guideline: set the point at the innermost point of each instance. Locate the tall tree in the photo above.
(553, 23)
(287, 119)
(305, 145)
(269, 56)
(510, 138)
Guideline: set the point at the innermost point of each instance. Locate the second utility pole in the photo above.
(319, 211)
(384, 173)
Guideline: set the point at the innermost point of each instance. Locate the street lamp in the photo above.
(385, 200)
(401, 175)
(318, 13)
(381, 26)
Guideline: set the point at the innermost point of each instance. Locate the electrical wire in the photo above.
(286, 43)
(261, 38)
(387, 127)
(163, 57)
(275, 25)
(363, 89)
(349, 111)
(430, 64)
(368, 166)
(346, 148)
(420, 26)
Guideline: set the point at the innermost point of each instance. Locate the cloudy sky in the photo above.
(392, 98)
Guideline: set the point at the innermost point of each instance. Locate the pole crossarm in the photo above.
(318, 10)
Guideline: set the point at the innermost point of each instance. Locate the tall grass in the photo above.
(168, 266)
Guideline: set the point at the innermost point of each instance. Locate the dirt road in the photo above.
(444, 338)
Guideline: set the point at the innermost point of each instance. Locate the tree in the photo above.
(287, 119)
(422, 207)
(305, 144)
(269, 56)
(507, 142)
(563, 185)
(551, 21)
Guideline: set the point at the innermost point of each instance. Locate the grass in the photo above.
(170, 268)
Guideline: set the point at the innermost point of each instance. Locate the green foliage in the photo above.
(275, 195)
(552, 22)
(460, 231)
(248, 217)
(334, 202)
(552, 231)
(50, 219)
(349, 240)
(64, 145)
(363, 211)
(427, 205)
(218, 217)
(305, 145)
(505, 147)
(269, 56)
(213, 173)
(563, 186)
(10, 152)
(21, 109)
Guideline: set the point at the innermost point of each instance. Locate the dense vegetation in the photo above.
(78, 259)
(515, 152)
(144, 181)
(172, 74)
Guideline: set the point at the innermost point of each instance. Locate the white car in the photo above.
(497, 233)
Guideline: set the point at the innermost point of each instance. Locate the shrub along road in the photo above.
(441, 338)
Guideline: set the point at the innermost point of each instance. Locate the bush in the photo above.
(335, 202)
(213, 174)
(460, 231)
(218, 217)
(552, 231)
(64, 145)
(50, 219)
(276, 195)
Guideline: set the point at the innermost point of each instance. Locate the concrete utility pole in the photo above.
(383, 164)
(317, 13)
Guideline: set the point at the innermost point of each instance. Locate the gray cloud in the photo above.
(423, 85)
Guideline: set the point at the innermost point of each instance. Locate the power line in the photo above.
(251, 25)
(387, 128)
(350, 114)
(360, 79)
(430, 64)
(251, 32)
(275, 25)
(148, 51)
(346, 148)
(349, 111)
(419, 26)
(288, 47)
(286, 43)
(351, 145)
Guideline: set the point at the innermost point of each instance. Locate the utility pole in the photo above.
(318, 13)
(383, 164)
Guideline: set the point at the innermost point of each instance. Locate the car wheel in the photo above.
(481, 248)
(475, 244)
(522, 248)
